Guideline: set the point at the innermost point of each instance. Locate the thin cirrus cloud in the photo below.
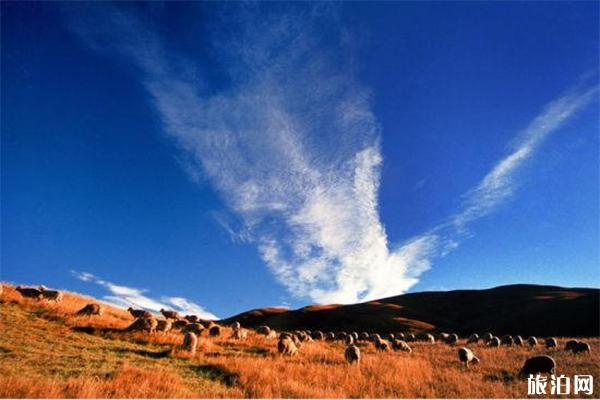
(125, 296)
(293, 148)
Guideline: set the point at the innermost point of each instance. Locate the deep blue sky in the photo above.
(91, 181)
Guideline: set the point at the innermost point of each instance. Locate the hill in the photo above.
(512, 309)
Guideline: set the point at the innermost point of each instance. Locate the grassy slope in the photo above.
(44, 353)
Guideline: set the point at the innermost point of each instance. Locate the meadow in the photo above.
(47, 351)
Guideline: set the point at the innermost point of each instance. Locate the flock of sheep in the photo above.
(289, 343)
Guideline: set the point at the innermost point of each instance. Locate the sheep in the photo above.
(163, 325)
(170, 314)
(443, 336)
(474, 338)
(90, 309)
(429, 338)
(179, 324)
(518, 340)
(272, 334)
(570, 345)
(487, 337)
(48, 294)
(143, 324)
(263, 330)
(466, 356)
(551, 343)
(494, 342)
(317, 335)
(191, 318)
(304, 337)
(390, 336)
(239, 334)
(354, 335)
(330, 336)
(349, 340)
(507, 340)
(287, 347)
(532, 341)
(32, 293)
(363, 336)
(577, 346)
(401, 345)
(452, 339)
(382, 345)
(352, 354)
(190, 342)
(215, 331)
(194, 327)
(236, 325)
(139, 313)
(400, 336)
(582, 347)
(410, 337)
(207, 324)
(375, 337)
(538, 365)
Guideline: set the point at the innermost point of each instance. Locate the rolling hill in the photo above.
(513, 309)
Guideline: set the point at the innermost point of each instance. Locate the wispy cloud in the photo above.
(293, 147)
(125, 296)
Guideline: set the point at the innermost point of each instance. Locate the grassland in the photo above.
(46, 351)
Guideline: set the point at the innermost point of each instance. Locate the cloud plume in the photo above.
(292, 146)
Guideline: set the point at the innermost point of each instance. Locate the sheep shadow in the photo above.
(145, 353)
(258, 351)
(216, 373)
(505, 377)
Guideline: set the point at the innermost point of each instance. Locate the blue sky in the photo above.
(217, 157)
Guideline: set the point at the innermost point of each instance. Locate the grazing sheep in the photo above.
(317, 335)
(354, 335)
(363, 336)
(375, 337)
(180, 324)
(190, 342)
(582, 347)
(48, 294)
(349, 340)
(90, 309)
(390, 336)
(239, 334)
(551, 343)
(443, 336)
(401, 345)
(272, 334)
(466, 356)
(538, 365)
(532, 341)
(507, 340)
(494, 342)
(571, 345)
(382, 345)
(170, 314)
(352, 354)
(518, 340)
(32, 293)
(474, 338)
(195, 327)
(207, 324)
(263, 330)
(236, 325)
(139, 313)
(452, 339)
(429, 338)
(487, 337)
(286, 346)
(330, 336)
(163, 325)
(410, 337)
(215, 331)
(143, 324)
(400, 336)
(191, 318)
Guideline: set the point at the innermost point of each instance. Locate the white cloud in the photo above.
(124, 296)
(293, 148)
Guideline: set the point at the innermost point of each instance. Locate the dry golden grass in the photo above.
(44, 352)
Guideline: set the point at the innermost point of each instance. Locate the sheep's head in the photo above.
(475, 360)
